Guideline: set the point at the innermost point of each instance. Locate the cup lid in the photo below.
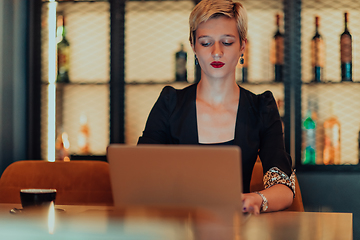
(38, 190)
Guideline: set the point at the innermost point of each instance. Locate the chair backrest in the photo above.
(76, 182)
(256, 184)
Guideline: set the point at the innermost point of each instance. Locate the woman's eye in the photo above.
(227, 43)
(205, 44)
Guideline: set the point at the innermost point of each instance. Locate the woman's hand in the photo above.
(278, 197)
(251, 203)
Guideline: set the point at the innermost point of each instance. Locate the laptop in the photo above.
(175, 175)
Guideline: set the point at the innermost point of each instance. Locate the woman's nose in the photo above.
(217, 51)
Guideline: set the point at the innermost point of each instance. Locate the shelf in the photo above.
(88, 157)
(75, 1)
(156, 83)
(185, 83)
(173, 82)
(78, 83)
(328, 168)
(260, 83)
(324, 83)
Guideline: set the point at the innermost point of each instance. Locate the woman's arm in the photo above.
(279, 179)
(278, 196)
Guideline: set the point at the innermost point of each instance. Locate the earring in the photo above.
(196, 60)
(242, 59)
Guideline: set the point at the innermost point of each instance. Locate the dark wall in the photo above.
(13, 47)
(332, 192)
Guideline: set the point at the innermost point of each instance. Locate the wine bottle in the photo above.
(180, 65)
(317, 53)
(277, 52)
(63, 52)
(331, 153)
(359, 147)
(346, 52)
(245, 65)
(309, 156)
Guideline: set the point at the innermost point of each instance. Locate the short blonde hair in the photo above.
(207, 9)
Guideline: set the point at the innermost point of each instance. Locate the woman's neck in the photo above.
(217, 91)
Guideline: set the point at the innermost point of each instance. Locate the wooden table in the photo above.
(140, 223)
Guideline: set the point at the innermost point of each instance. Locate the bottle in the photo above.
(359, 147)
(317, 53)
(309, 156)
(346, 52)
(180, 65)
(246, 63)
(62, 146)
(277, 52)
(63, 52)
(83, 136)
(331, 153)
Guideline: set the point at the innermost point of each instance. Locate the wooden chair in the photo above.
(256, 184)
(76, 182)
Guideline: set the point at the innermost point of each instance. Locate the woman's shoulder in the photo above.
(261, 102)
(171, 90)
(171, 96)
(178, 94)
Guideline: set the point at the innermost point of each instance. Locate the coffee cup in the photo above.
(37, 198)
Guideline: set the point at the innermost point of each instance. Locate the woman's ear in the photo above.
(243, 45)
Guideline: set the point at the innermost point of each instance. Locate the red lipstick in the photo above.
(217, 64)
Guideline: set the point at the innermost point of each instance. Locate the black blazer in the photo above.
(258, 129)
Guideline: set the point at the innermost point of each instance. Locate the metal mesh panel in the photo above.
(154, 31)
(341, 96)
(88, 31)
(261, 29)
(332, 97)
(87, 94)
(331, 15)
(91, 101)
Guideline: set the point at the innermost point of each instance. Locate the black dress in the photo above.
(258, 129)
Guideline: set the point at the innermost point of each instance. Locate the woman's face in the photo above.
(217, 47)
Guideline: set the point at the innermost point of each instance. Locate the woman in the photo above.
(217, 111)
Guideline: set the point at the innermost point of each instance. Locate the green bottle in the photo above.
(310, 143)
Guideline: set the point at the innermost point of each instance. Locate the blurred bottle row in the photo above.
(330, 153)
(63, 144)
(277, 55)
(318, 52)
